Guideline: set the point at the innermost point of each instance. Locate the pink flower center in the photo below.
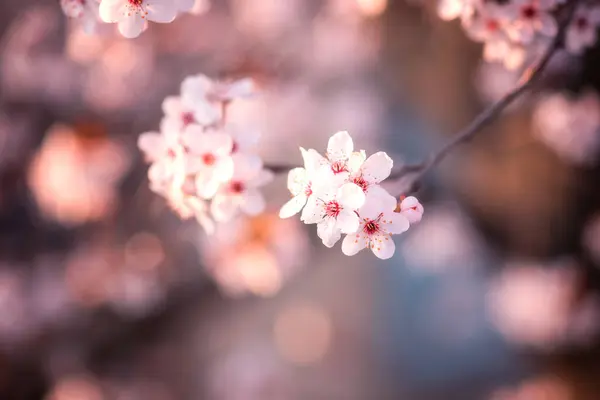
(338, 167)
(308, 190)
(237, 187)
(492, 25)
(529, 12)
(332, 209)
(187, 118)
(135, 3)
(360, 181)
(208, 159)
(371, 227)
(234, 147)
(582, 23)
(171, 153)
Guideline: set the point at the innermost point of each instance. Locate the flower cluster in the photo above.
(201, 165)
(341, 193)
(514, 30)
(132, 16)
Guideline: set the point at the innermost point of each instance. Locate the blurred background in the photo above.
(105, 294)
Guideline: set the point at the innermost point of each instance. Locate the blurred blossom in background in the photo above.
(106, 294)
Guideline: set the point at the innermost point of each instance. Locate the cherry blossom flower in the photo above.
(411, 209)
(242, 191)
(207, 156)
(131, 15)
(378, 222)
(300, 182)
(340, 149)
(200, 90)
(333, 208)
(570, 127)
(85, 11)
(530, 17)
(581, 32)
(370, 172)
(179, 115)
(488, 23)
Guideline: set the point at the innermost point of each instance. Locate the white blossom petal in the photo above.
(328, 232)
(293, 206)
(347, 221)
(313, 211)
(351, 196)
(397, 223)
(131, 26)
(353, 243)
(383, 246)
(340, 146)
(377, 167)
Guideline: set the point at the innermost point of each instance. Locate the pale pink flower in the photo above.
(511, 55)
(581, 32)
(340, 149)
(201, 91)
(333, 207)
(570, 126)
(179, 115)
(131, 15)
(488, 23)
(378, 222)
(207, 156)
(242, 191)
(452, 9)
(530, 17)
(369, 173)
(411, 209)
(85, 11)
(300, 182)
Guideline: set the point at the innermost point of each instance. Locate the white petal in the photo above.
(383, 246)
(162, 11)
(396, 223)
(347, 221)
(223, 169)
(353, 243)
(112, 10)
(340, 146)
(383, 202)
(313, 211)
(253, 202)
(206, 185)
(172, 106)
(328, 232)
(194, 89)
(356, 160)
(131, 27)
(377, 167)
(293, 206)
(351, 196)
(224, 207)
(240, 88)
(152, 144)
(297, 181)
(312, 160)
